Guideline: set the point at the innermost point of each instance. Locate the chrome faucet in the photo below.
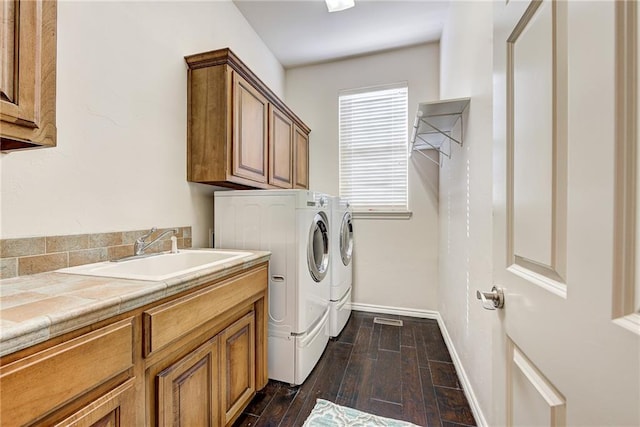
(141, 245)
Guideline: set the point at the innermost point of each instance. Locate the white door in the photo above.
(567, 345)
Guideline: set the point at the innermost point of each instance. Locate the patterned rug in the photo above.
(328, 414)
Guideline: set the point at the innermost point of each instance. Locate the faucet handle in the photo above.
(145, 236)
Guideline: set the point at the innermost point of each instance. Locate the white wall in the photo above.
(395, 261)
(120, 163)
(466, 194)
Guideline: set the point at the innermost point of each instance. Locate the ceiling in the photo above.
(301, 32)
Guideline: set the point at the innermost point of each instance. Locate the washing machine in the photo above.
(341, 265)
(294, 225)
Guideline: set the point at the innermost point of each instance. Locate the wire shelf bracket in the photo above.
(434, 124)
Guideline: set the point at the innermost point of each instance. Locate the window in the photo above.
(373, 136)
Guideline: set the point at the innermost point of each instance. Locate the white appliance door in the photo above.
(563, 353)
(313, 285)
(318, 247)
(346, 239)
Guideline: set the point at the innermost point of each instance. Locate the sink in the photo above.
(158, 267)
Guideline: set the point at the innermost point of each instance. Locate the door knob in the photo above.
(491, 300)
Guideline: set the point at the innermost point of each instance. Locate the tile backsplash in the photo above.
(31, 255)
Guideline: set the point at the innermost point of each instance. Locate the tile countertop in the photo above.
(42, 306)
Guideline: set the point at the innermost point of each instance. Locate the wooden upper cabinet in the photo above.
(301, 158)
(280, 148)
(28, 74)
(250, 132)
(240, 134)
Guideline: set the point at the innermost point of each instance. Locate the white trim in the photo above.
(389, 86)
(630, 322)
(381, 214)
(410, 312)
(481, 421)
(553, 286)
(537, 380)
(431, 314)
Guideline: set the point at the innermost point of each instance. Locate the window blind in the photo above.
(373, 148)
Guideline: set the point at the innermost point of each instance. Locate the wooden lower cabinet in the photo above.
(204, 369)
(35, 386)
(114, 409)
(238, 367)
(188, 390)
(211, 385)
(192, 360)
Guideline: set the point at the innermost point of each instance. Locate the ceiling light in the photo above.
(338, 5)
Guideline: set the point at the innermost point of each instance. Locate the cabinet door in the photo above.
(300, 158)
(188, 390)
(249, 153)
(114, 409)
(237, 379)
(42, 382)
(28, 73)
(280, 148)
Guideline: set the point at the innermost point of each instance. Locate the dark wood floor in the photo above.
(398, 372)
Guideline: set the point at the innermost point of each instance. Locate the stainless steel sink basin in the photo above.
(158, 267)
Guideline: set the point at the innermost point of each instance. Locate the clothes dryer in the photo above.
(341, 265)
(294, 226)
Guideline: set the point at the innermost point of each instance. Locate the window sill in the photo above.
(382, 214)
(630, 322)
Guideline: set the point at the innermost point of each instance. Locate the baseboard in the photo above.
(481, 421)
(409, 312)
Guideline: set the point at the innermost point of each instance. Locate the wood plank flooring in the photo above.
(397, 372)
